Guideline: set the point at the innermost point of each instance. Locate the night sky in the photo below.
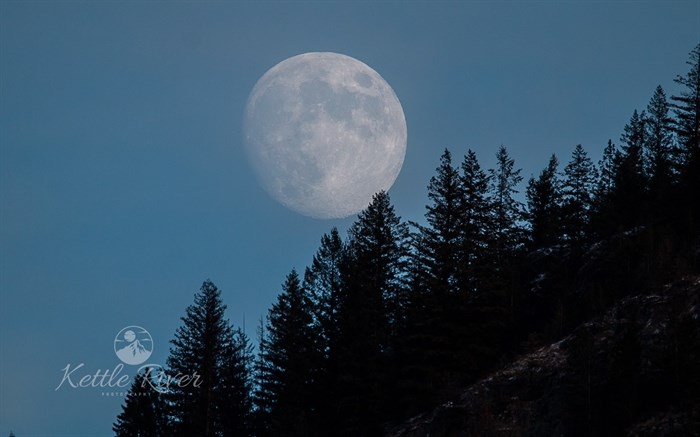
(124, 182)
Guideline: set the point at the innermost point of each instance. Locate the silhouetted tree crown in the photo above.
(578, 188)
(438, 244)
(372, 312)
(507, 211)
(206, 346)
(476, 230)
(290, 358)
(686, 107)
(544, 206)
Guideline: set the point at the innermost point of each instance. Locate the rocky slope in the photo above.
(635, 371)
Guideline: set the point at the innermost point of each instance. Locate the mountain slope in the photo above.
(633, 371)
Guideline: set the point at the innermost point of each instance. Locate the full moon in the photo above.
(324, 132)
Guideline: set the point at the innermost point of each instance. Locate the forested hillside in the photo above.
(550, 317)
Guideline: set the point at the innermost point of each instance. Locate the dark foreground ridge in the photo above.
(631, 372)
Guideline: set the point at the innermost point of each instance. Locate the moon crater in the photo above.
(324, 132)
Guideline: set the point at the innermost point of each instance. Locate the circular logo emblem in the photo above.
(133, 345)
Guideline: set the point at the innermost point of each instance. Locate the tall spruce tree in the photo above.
(288, 370)
(507, 236)
(661, 155)
(435, 348)
(544, 206)
(578, 187)
(234, 392)
(476, 223)
(143, 412)
(324, 283)
(659, 136)
(438, 251)
(507, 212)
(606, 171)
(686, 107)
(602, 222)
(630, 182)
(372, 311)
(262, 396)
(208, 363)
(474, 319)
(378, 245)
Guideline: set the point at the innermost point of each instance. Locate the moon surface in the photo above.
(324, 132)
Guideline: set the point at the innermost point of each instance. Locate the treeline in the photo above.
(398, 316)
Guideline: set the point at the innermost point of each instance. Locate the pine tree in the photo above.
(578, 188)
(476, 224)
(660, 154)
(289, 351)
(659, 136)
(479, 319)
(686, 107)
(633, 153)
(507, 212)
(629, 182)
(234, 394)
(469, 325)
(446, 273)
(438, 251)
(262, 395)
(454, 333)
(606, 171)
(378, 246)
(143, 412)
(506, 241)
(602, 222)
(372, 312)
(323, 282)
(544, 206)
(209, 364)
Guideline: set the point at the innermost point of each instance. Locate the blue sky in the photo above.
(123, 178)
